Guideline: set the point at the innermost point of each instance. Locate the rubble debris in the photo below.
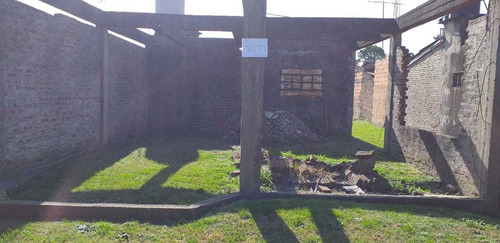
(450, 189)
(279, 128)
(352, 190)
(365, 162)
(317, 175)
(324, 189)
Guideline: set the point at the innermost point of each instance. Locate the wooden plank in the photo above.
(93, 14)
(252, 99)
(431, 10)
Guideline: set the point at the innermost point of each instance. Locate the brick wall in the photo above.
(52, 69)
(127, 82)
(363, 96)
(196, 88)
(358, 86)
(332, 113)
(425, 83)
(199, 88)
(455, 160)
(380, 89)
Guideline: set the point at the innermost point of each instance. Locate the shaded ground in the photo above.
(188, 169)
(278, 221)
(401, 176)
(173, 170)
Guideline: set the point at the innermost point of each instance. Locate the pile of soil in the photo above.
(279, 128)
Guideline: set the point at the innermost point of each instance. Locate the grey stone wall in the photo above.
(425, 79)
(52, 70)
(455, 160)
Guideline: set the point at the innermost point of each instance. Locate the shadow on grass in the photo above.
(277, 225)
(58, 184)
(274, 229)
(338, 147)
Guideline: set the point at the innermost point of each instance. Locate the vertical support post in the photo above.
(252, 99)
(389, 105)
(491, 98)
(3, 67)
(104, 85)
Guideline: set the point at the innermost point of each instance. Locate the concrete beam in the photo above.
(252, 99)
(174, 36)
(321, 29)
(431, 10)
(92, 14)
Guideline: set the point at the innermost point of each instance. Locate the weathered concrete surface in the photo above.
(453, 62)
(491, 108)
(51, 211)
(252, 99)
(469, 204)
(431, 10)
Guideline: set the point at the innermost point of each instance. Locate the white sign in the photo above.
(253, 47)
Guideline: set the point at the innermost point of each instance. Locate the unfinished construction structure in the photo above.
(66, 87)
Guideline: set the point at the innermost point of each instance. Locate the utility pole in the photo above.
(397, 9)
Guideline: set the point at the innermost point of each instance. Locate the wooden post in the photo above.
(389, 107)
(252, 99)
(104, 85)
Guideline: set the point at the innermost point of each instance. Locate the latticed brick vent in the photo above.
(305, 83)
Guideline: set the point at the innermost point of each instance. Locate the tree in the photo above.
(371, 54)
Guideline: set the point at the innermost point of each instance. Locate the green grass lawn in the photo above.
(188, 169)
(173, 170)
(368, 132)
(278, 221)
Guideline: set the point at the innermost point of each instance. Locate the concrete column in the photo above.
(104, 85)
(252, 99)
(3, 66)
(389, 105)
(455, 31)
(491, 106)
(170, 6)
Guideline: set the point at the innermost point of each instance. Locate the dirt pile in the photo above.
(355, 177)
(279, 128)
